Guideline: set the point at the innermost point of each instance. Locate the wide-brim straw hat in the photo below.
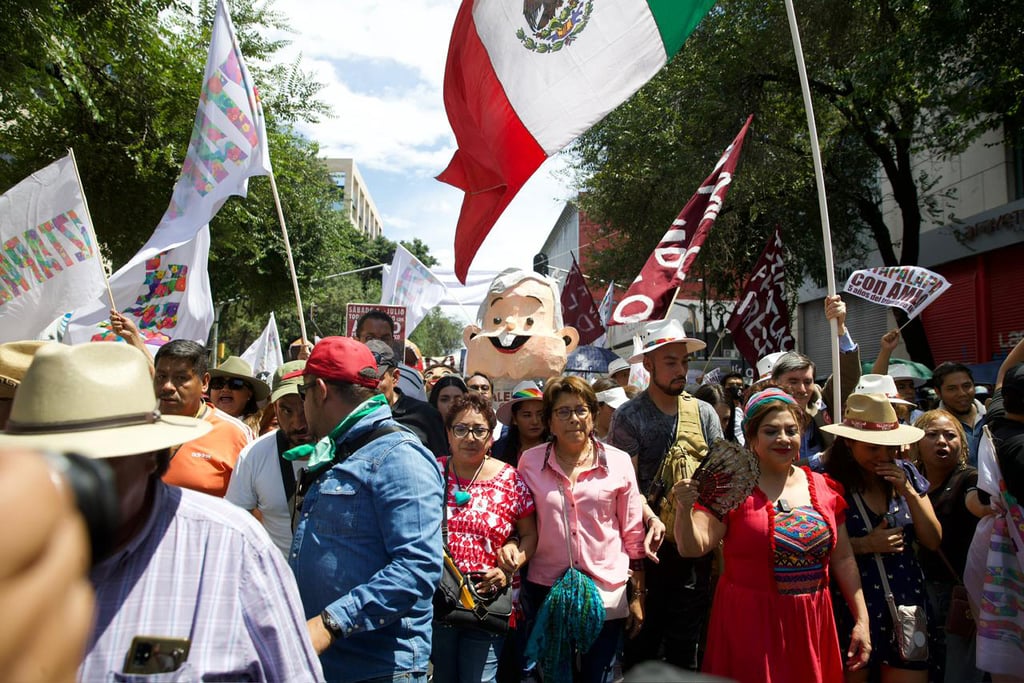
(15, 357)
(524, 391)
(233, 366)
(95, 399)
(661, 333)
(870, 418)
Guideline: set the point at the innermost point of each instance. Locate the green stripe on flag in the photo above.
(676, 20)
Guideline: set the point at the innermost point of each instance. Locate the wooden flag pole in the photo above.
(88, 217)
(819, 176)
(291, 261)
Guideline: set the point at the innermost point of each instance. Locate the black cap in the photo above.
(383, 354)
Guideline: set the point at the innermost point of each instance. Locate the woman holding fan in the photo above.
(771, 619)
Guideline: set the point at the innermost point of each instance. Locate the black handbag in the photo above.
(456, 600)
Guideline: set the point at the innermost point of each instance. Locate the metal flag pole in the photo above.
(291, 261)
(819, 176)
(92, 228)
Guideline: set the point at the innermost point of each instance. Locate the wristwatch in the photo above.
(331, 624)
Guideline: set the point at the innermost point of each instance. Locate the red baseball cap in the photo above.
(342, 359)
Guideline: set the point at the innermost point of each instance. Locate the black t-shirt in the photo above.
(424, 420)
(958, 525)
(1008, 437)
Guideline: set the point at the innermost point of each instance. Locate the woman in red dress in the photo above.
(771, 619)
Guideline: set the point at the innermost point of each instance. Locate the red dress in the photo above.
(771, 619)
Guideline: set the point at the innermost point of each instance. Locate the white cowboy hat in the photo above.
(880, 384)
(524, 391)
(871, 418)
(661, 332)
(96, 399)
(766, 363)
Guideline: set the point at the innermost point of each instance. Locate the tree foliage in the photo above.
(437, 334)
(889, 79)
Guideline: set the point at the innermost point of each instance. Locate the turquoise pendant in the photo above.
(462, 497)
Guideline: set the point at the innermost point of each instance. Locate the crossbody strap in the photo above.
(878, 560)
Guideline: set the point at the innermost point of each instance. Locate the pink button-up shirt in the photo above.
(605, 514)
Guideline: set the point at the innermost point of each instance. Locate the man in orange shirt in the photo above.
(204, 464)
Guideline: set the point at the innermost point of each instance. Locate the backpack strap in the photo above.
(689, 439)
(287, 470)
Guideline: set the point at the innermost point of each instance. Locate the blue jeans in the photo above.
(401, 677)
(464, 655)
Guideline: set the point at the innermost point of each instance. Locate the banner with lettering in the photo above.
(760, 322)
(651, 293)
(578, 307)
(49, 261)
(228, 145)
(908, 287)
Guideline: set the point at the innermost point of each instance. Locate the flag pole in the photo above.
(291, 261)
(819, 177)
(88, 217)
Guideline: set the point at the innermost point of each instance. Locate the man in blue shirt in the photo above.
(367, 549)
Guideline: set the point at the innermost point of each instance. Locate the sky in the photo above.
(382, 66)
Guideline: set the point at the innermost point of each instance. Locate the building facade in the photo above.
(354, 198)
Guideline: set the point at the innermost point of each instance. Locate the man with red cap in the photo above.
(367, 548)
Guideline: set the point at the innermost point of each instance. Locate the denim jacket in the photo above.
(368, 550)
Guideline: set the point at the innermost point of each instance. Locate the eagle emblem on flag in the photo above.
(553, 23)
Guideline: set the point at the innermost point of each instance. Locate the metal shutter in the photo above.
(867, 322)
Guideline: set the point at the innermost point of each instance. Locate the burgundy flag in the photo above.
(578, 307)
(650, 295)
(760, 322)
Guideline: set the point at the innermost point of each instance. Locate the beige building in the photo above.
(355, 197)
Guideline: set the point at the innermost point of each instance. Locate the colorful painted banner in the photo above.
(409, 283)
(760, 322)
(49, 261)
(908, 287)
(651, 293)
(228, 145)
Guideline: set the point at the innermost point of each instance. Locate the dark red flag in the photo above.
(760, 321)
(578, 307)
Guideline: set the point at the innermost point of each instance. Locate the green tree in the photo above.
(437, 334)
(889, 79)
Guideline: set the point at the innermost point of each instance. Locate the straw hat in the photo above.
(524, 391)
(617, 366)
(661, 332)
(15, 357)
(94, 399)
(871, 418)
(233, 366)
(880, 384)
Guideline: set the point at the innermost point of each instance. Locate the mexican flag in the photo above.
(523, 79)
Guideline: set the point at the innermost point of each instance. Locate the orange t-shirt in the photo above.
(205, 464)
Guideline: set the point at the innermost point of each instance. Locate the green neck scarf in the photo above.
(322, 451)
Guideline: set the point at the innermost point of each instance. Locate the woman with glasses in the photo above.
(235, 391)
(590, 517)
(491, 532)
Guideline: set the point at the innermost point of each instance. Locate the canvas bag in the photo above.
(680, 462)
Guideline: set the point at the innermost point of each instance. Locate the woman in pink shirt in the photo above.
(589, 516)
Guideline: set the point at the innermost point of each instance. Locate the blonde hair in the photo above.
(927, 419)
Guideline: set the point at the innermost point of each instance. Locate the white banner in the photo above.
(908, 287)
(407, 282)
(49, 260)
(228, 144)
(264, 355)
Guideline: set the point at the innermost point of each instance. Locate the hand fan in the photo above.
(726, 477)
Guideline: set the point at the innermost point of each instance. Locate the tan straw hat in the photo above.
(233, 366)
(658, 333)
(15, 357)
(870, 418)
(96, 399)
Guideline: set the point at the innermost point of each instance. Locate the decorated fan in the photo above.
(726, 477)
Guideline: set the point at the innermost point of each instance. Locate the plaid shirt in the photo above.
(201, 569)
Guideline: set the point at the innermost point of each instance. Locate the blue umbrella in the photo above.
(592, 359)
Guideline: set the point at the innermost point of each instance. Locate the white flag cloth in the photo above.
(409, 283)
(604, 310)
(264, 355)
(228, 145)
(49, 261)
(908, 287)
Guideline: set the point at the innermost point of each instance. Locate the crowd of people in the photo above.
(298, 530)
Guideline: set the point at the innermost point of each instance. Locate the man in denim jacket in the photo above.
(367, 549)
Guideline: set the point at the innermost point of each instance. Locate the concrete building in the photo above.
(980, 252)
(354, 197)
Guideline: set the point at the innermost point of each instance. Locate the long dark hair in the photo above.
(446, 381)
(842, 466)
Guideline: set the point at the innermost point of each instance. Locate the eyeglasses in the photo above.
(482, 388)
(565, 412)
(303, 388)
(462, 431)
(232, 383)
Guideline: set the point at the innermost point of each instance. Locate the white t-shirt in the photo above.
(256, 485)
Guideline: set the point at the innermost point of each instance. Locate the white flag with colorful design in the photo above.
(523, 79)
(407, 282)
(228, 145)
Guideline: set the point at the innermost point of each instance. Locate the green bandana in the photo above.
(322, 451)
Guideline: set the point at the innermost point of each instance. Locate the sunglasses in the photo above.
(462, 431)
(232, 383)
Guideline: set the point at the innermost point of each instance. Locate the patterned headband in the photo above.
(762, 397)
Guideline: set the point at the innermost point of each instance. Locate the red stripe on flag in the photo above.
(496, 153)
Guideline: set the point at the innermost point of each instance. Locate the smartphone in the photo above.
(156, 655)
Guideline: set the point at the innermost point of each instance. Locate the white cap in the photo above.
(765, 365)
(880, 384)
(612, 397)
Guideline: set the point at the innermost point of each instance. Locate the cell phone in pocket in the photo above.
(156, 654)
